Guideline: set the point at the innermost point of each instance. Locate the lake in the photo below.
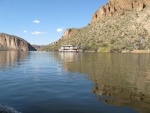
(53, 82)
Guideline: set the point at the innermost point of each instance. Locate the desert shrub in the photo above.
(103, 49)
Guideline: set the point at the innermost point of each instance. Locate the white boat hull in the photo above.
(68, 50)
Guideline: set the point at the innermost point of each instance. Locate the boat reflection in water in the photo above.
(119, 79)
(67, 58)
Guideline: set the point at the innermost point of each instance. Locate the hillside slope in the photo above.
(126, 31)
(10, 42)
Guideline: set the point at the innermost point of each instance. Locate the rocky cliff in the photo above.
(119, 7)
(9, 42)
(118, 26)
(68, 33)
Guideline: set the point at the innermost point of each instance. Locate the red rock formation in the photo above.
(15, 43)
(70, 32)
(67, 34)
(119, 6)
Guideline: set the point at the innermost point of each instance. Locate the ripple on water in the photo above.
(39, 82)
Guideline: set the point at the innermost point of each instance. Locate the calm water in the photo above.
(43, 82)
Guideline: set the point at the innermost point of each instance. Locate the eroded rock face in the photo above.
(67, 34)
(70, 32)
(15, 43)
(119, 7)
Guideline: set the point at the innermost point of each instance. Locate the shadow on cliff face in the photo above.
(31, 48)
(11, 42)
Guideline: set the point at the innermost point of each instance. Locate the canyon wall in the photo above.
(118, 26)
(119, 7)
(15, 43)
(68, 33)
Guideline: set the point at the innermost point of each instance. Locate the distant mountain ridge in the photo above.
(118, 26)
(11, 42)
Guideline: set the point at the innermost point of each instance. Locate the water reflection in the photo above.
(120, 79)
(11, 59)
(122, 97)
(67, 58)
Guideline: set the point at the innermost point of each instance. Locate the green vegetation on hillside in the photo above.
(118, 33)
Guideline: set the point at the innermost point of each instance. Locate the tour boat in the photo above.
(69, 48)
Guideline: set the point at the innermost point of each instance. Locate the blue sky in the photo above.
(44, 21)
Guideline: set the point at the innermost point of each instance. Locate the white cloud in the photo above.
(36, 21)
(59, 30)
(38, 33)
(25, 31)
